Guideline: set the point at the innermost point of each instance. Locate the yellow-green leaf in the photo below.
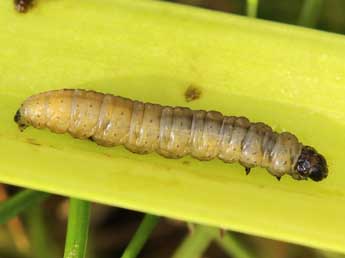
(291, 78)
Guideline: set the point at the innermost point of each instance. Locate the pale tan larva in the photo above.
(171, 131)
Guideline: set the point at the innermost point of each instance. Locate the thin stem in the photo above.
(252, 8)
(41, 243)
(310, 13)
(20, 202)
(15, 227)
(141, 235)
(195, 244)
(77, 228)
(230, 244)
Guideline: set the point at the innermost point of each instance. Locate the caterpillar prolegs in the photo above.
(172, 132)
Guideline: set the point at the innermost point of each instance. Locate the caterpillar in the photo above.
(22, 5)
(173, 132)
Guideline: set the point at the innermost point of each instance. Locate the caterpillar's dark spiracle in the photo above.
(171, 131)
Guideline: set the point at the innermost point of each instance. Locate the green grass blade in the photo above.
(310, 13)
(141, 235)
(19, 202)
(252, 8)
(245, 67)
(195, 244)
(230, 244)
(41, 243)
(77, 228)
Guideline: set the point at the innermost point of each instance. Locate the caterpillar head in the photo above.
(19, 120)
(311, 164)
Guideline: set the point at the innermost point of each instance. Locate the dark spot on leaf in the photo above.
(22, 6)
(32, 141)
(107, 155)
(192, 93)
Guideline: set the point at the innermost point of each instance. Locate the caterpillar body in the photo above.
(172, 132)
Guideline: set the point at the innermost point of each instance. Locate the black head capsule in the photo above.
(18, 119)
(311, 164)
(17, 116)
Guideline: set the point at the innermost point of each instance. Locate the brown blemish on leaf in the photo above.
(186, 162)
(23, 6)
(192, 93)
(107, 155)
(32, 141)
(53, 147)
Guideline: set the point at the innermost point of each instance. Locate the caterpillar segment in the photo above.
(173, 132)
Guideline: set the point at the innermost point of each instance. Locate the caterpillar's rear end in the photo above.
(171, 131)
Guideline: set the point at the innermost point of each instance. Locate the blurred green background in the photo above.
(330, 13)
